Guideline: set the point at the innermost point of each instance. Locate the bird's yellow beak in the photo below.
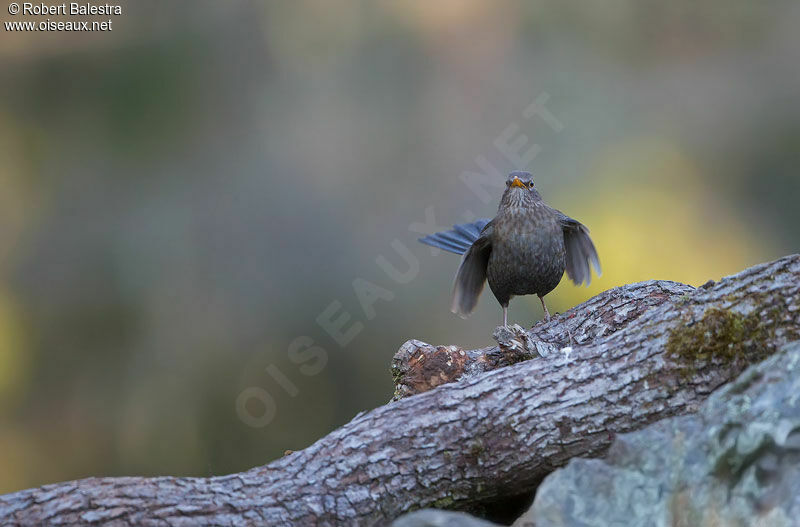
(517, 183)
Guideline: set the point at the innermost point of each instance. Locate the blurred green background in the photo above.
(182, 197)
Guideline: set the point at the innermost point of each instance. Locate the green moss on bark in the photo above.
(723, 336)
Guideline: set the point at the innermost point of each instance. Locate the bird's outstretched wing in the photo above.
(459, 239)
(580, 250)
(471, 274)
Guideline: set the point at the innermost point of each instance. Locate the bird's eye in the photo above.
(530, 185)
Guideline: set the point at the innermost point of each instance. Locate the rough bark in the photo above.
(490, 435)
(418, 367)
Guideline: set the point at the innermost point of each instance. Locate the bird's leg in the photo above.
(546, 312)
(505, 316)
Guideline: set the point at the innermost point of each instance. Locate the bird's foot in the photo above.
(544, 307)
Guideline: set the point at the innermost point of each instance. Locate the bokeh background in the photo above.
(182, 197)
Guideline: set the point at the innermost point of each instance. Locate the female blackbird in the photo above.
(524, 250)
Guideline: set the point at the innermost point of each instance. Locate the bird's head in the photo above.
(520, 189)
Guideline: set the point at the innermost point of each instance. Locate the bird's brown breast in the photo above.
(528, 255)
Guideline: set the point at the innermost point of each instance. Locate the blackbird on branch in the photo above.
(524, 250)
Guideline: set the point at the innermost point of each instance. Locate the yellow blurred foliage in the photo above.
(13, 359)
(20, 456)
(656, 217)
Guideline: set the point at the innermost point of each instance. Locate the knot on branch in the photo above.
(518, 345)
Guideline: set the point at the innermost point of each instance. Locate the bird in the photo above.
(523, 250)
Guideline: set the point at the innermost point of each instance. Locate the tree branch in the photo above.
(418, 367)
(640, 353)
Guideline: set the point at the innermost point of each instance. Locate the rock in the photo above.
(437, 518)
(735, 462)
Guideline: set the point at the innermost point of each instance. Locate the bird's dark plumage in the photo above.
(457, 240)
(524, 250)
